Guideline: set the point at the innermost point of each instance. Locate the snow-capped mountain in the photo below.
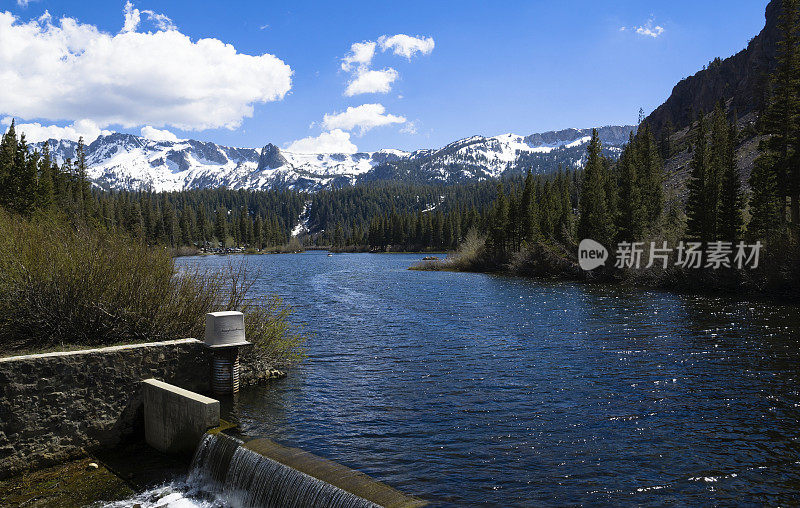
(478, 157)
(127, 162)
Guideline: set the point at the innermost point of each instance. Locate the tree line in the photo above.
(398, 216)
(203, 218)
(32, 183)
(775, 180)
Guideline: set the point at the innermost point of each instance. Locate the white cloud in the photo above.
(360, 55)
(367, 81)
(409, 128)
(70, 71)
(359, 59)
(24, 3)
(335, 141)
(364, 118)
(133, 17)
(158, 134)
(36, 132)
(406, 45)
(649, 29)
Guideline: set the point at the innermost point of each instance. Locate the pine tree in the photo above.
(258, 233)
(45, 189)
(241, 232)
(23, 179)
(631, 223)
(498, 225)
(185, 227)
(731, 201)
(652, 177)
(29, 184)
(513, 224)
(134, 223)
(171, 228)
(202, 225)
(250, 237)
(566, 225)
(82, 186)
(697, 202)
(438, 229)
(612, 197)
(221, 227)
(8, 154)
(781, 121)
(338, 236)
(529, 213)
(594, 221)
(766, 207)
(547, 222)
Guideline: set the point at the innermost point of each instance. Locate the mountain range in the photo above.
(121, 161)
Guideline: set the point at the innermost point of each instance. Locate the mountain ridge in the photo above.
(742, 79)
(121, 161)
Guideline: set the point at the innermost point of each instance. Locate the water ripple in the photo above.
(469, 389)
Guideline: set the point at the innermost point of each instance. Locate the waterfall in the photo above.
(261, 473)
(212, 458)
(255, 480)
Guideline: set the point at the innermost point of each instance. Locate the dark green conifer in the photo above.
(594, 221)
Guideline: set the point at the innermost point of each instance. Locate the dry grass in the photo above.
(61, 286)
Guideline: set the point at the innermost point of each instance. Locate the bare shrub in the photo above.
(66, 286)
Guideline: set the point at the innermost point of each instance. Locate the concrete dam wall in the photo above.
(260, 473)
(54, 405)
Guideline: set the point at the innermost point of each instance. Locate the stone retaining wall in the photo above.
(55, 405)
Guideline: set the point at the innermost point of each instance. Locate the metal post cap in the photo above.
(225, 329)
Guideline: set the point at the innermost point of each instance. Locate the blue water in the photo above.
(472, 389)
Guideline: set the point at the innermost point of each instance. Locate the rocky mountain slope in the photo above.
(128, 162)
(742, 79)
(741, 82)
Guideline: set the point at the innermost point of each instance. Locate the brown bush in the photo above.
(65, 286)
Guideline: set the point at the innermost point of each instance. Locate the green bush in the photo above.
(470, 256)
(65, 286)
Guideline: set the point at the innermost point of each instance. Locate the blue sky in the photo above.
(497, 67)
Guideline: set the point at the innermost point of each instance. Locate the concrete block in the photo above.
(175, 419)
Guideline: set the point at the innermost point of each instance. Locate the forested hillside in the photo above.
(672, 193)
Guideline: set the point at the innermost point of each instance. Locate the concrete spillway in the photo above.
(262, 473)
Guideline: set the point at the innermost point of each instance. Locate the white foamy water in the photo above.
(171, 495)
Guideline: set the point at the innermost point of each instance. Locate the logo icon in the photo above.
(591, 254)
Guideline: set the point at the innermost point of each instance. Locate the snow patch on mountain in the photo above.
(127, 162)
(302, 221)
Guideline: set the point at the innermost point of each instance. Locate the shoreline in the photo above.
(307, 249)
(790, 295)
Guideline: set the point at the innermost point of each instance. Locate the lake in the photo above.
(473, 389)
